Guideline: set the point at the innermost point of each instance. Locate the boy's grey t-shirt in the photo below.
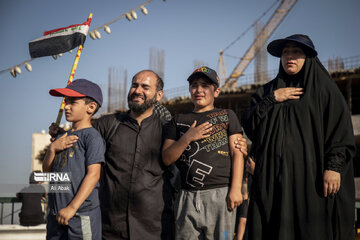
(89, 149)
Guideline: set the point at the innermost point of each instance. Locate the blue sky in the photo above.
(186, 30)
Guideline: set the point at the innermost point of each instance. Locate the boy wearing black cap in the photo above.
(78, 154)
(202, 145)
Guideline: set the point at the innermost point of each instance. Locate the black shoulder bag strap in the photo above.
(112, 128)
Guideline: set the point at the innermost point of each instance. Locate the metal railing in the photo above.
(332, 65)
(8, 200)
(339, 64)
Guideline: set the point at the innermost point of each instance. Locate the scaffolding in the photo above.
(260, 70)
(117, 84)
(157, 61)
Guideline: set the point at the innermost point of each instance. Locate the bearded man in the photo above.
(135, 194)
(135, 190)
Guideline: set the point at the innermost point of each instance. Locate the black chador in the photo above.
(296, 141)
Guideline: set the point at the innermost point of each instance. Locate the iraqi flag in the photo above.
(59, 40)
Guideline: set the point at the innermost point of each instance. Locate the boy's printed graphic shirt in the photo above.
(89, 149)
(205, 163)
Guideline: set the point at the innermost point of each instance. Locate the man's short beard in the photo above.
(141, 108)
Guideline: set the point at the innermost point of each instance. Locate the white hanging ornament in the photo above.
(92, 35)
(107, 29)
(128, 16)
(97, 34)
(13, 73)
(28, 67)
(144, 10)
(17, 69)
(134, 15)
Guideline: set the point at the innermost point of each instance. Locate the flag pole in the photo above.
(73, 69)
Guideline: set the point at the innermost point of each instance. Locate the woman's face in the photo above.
(292, 58)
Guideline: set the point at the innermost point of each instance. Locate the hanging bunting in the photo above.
(55, 42)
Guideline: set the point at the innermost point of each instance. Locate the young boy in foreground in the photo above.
(74, 208)
(202, 143)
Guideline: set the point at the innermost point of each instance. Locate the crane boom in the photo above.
(277, 17)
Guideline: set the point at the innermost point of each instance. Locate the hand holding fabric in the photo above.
(250, 166)
(241, 144)
(55, 130)
(331, 182)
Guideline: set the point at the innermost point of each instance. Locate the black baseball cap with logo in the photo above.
(207, 72)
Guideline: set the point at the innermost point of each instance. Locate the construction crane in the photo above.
(277, 17)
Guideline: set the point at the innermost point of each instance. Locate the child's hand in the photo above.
(199, 132)
(55, 130)
(250, 166)
(234, 199)
(63, 142)
(65, 214)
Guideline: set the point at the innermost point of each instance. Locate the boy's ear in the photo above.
(217, 92)
(91, 107)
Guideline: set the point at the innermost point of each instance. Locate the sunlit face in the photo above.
(75, 109)
(143, 94)
(202, 94)
(292, 58)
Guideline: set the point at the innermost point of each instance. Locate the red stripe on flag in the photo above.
(88, 21)
(75, 25)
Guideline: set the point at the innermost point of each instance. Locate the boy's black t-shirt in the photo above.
(205, 163)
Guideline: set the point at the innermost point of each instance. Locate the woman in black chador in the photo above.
(301, 127)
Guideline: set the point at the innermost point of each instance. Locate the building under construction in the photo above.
(238, 98)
